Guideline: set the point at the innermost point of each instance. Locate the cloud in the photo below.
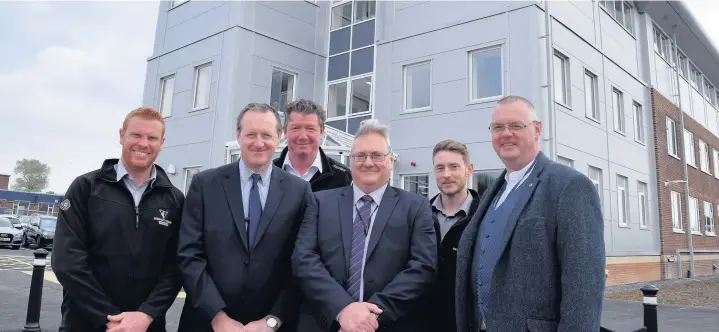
(69, 81)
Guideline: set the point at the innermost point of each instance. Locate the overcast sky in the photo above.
(70, 71)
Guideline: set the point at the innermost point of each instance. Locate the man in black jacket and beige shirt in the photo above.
(303, 127)
(452, 209)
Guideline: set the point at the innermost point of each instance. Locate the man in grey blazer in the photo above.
(532, 258)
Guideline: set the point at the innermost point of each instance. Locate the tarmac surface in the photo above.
(16, 271)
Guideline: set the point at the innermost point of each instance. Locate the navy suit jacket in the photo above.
(550, 273)
(219, 271)
(401, 259)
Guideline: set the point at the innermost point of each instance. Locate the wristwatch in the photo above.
(273, 323)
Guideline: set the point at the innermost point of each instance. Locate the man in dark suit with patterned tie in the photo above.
(238, 230)
(366, 255)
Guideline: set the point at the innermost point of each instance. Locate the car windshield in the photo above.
(48, 223)
(5, 223)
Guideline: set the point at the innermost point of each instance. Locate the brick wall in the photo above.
(4, 181)
(628, 272)
(702, 186)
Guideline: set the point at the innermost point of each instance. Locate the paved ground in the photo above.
(16, 267)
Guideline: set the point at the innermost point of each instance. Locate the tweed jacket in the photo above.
(550, 272)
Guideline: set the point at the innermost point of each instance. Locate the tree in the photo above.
(50, 192)
(31, 175)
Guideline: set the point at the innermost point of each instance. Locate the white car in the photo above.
(9, 235)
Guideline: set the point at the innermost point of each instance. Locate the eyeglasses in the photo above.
(513, 127)
(376, 156)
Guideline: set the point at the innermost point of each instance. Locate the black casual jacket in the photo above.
(334, 174)
(112, 257)
(442, 307)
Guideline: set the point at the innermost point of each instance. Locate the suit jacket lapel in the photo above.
(274, 197)
(233, 192)
(531, 184)
(389, 201)
(345, 202)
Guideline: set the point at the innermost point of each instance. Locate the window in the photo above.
(418, 184)
(189, 174)
(694, 214)
(565, 161)
(704, 157)
(482, 180)
(709, 219)
(642, 197)
(350, 65)
(676, 211)
(672, 138)
(663, 46)
(418, 86)
(638, 123)
(709, 91)
(486, 75)
(590, 96)
(282, 89)
(716, 163)
(683, 66)
(561, 78)
(622, 201)
(167, 87)
(595, 174)
(175, 3)
(618, 105)
(689, 148)
(203, 79)
(622, 11)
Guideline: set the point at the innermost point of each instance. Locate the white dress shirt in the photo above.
(377, 198)
(514, 179)
(316, 167)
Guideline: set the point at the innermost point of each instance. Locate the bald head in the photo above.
(515, 131)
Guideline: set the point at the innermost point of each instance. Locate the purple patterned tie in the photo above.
(358, 239)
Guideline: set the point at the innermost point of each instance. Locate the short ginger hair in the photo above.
(145, 113)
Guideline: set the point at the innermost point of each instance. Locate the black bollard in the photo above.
(32, 322)
(650, 308)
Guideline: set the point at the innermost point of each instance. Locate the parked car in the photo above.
(40, 231)
(9, 235)
(13, 219)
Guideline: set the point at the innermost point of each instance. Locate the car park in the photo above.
(40, 231)
(9, 235)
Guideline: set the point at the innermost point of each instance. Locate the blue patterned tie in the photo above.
(358, 239)
(255, 210)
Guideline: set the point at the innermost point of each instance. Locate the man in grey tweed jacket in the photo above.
(532, 258)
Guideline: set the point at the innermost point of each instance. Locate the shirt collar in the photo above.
(246, 172)
(376, 195)
(516, 176)
(122, 171)
(316, 163)
(464, 207)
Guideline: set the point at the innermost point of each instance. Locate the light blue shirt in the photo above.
(377, 198)
(263, 185)
(135, 189)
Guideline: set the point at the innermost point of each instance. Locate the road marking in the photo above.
(50, 276)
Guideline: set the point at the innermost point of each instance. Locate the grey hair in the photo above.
(373, 126)
(261, 108)
(518, 99)
(305, 106)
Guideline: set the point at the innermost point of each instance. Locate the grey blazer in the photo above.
(550, 273)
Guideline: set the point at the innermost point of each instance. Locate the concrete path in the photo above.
(627, 316)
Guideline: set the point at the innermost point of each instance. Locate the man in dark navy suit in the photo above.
(366, 255)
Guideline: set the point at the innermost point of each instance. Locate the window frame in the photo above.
(643, 204)
(185, 173)
(675, 199)
(693, 211)
(622, 197)
(405, 94)
(565, 75)
(691, 159)
(195, 85)
(163, 87)
(709, 220)
(625, 6)
(640, 135)
(598, 183)
(593, 114)
(176, 3)
(620, 124)
(704, 156)
(673, 139)
(715, 155)
(470, 75)
(403, 179)
(295, 77)
(565, 161)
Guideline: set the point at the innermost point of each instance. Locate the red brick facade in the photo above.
(702, 186)
(4, 181)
